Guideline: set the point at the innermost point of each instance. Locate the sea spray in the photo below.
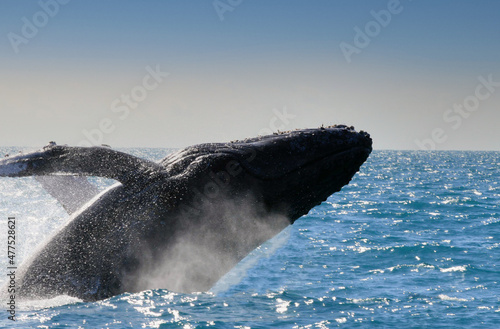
(199, 256)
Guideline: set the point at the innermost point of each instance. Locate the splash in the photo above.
(237, 274)
(199, 256)
(38, 304)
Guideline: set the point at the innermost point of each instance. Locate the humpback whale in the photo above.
(183, 222)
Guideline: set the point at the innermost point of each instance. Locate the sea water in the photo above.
(412, 242)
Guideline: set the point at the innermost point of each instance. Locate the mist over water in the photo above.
(412, 241)
(203, 253)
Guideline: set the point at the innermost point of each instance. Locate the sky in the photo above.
(416, 75)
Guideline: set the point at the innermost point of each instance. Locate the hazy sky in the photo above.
(415, 74)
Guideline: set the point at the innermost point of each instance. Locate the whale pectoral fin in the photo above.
(79, 161)
(72, 192)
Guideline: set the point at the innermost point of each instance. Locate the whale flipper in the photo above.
(79, 161)
(72, 192)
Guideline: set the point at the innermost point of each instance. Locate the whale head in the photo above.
(286, 173)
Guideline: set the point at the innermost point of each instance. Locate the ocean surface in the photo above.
(412, 242)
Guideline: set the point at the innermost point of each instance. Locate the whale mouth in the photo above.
(297, 191)
(349, 159)
(296, 174)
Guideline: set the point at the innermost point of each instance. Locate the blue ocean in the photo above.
(412, 242)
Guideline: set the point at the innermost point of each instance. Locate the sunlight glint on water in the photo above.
(413, 240)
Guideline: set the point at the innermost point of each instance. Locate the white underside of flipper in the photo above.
(71, 191)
